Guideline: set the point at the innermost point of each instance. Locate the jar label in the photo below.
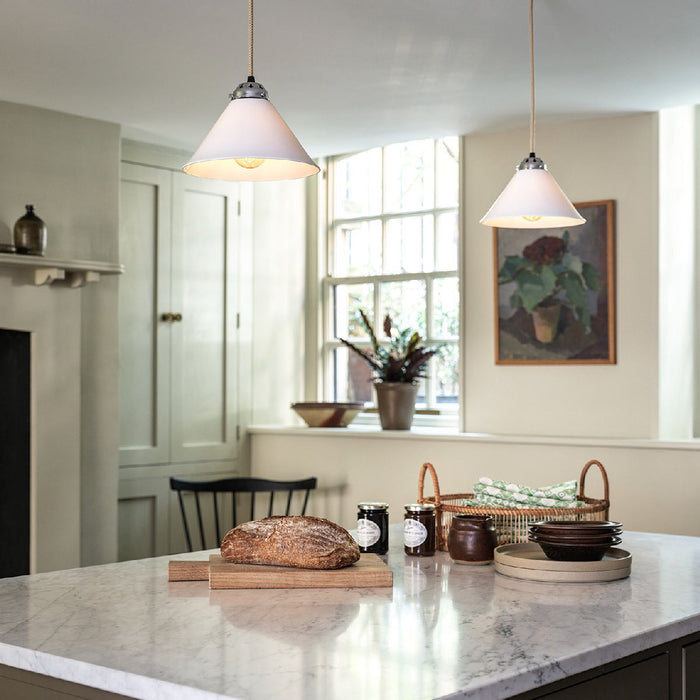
(414, 533)
(368, 533)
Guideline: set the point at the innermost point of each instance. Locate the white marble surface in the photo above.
(443, 630)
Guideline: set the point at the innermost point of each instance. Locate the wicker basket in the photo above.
(511, 523)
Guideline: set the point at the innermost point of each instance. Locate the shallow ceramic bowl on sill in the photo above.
(327, 414)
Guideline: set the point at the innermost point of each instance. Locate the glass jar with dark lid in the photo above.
(373, 527)
(419, 529)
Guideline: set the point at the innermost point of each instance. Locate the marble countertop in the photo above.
(443, 629)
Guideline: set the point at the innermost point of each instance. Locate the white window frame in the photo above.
(328, 344)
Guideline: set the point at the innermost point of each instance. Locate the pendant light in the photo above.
(532, 199)
(250, 140)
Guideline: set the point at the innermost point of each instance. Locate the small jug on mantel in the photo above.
(30, 233)
(472, 539)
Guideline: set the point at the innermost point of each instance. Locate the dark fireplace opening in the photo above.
(15, 421)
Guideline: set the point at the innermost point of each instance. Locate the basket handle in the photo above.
(421, 478)
(606, 486)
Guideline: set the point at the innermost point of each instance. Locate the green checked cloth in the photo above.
(501, 494)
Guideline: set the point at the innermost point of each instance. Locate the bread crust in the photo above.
(301, 541)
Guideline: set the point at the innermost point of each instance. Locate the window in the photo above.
(393, 248)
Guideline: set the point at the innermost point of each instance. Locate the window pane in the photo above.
(409, 176)
(447, 161)
(447, 242)
(409, 245)
(446, 308)
(420, 396)
(394, 214)
(349, 298)
(358, 249)
(357, 184)
(444, 372)
(405, 303)
(353, 377)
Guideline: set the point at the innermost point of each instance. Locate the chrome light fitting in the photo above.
(250, 140)
(532, 198)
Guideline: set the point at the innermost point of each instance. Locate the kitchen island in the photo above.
(442, 630)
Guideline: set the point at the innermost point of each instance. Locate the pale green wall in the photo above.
(68, 167)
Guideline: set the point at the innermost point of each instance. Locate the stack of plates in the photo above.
(575, 540)
(527, 561)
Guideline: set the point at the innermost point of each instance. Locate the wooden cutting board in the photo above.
(369, 572)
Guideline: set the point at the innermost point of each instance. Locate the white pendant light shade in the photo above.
(532, 199)
(251, 141)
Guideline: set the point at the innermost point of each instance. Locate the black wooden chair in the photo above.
(234, 486)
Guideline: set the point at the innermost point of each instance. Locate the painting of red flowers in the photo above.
(555, 291)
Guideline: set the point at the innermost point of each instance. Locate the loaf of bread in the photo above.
(301, 541)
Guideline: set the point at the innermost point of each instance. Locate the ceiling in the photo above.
(348, 74)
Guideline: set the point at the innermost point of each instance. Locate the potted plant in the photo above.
(546, 276)
(397, 366)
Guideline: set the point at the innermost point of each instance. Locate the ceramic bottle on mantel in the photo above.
(30, 233)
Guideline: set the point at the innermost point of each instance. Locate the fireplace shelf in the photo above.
(74, 273)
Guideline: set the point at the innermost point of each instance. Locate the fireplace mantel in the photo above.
(75, 273)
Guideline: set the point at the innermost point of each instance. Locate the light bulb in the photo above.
(250, 163)
(532, 218)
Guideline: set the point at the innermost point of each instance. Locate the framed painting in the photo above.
(555, 291)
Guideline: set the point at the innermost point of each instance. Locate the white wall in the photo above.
(592, 160)
(68, 167)
(279, 234)
(678, 260)
(612, 409)
(653, 487)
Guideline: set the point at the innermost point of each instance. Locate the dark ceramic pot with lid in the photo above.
(472, 539)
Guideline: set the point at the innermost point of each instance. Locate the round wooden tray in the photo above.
(527, 561)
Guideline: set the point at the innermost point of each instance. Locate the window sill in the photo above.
(442, 434)
(446, 422)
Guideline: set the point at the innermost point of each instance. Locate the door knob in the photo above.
(167, 316)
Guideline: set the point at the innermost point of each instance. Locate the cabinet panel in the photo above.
(644, 680)
(204, 283)
(691, 671)
(150, 523)
(184, 247)
(137, 528)
(143, 340)
(18, 684)
(178, 399)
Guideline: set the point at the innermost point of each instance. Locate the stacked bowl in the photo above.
(326, 414)
(575, 540)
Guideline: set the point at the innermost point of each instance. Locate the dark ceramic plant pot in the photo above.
(396, 402)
